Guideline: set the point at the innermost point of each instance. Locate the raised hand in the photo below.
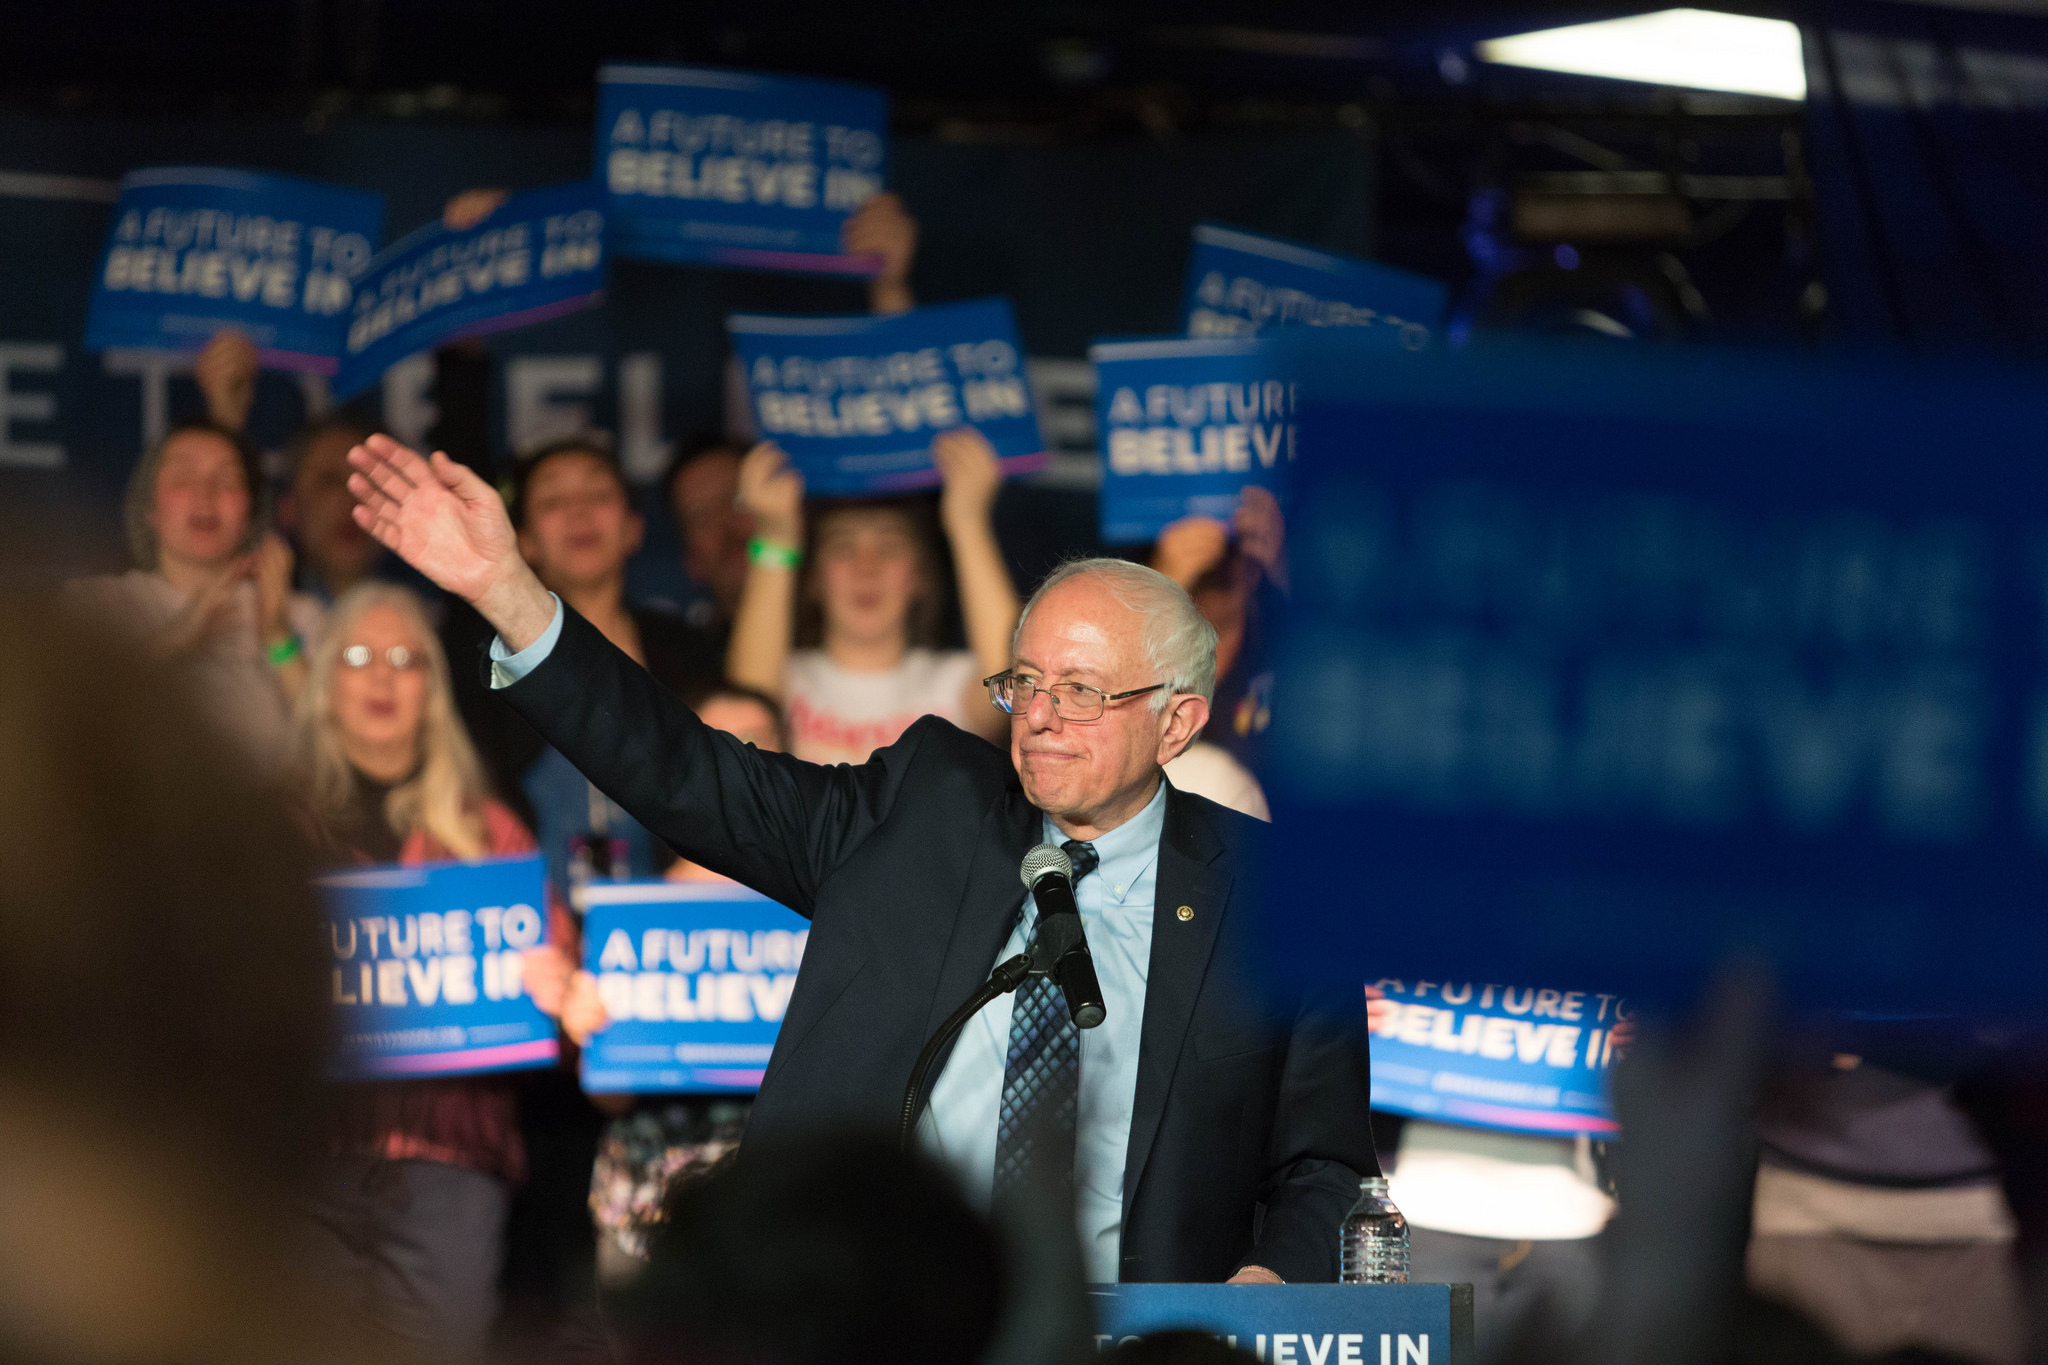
(439, 517)
(970, 475)
(1189, 548)
(226, 374)
(471, 207)
(773, 494)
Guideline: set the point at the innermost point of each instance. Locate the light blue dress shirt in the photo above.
(508, 668)
(960, 1126)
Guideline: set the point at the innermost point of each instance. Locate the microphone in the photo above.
(1062, 950)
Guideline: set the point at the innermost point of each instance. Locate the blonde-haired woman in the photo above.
(415, 1198)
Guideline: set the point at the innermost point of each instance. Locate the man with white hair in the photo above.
(1209, 1131)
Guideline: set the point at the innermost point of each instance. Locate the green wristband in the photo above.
(774, 555)
(285, 650)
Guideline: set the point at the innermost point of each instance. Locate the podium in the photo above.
(1300, 1324)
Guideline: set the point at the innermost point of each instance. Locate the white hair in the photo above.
(1180, 644)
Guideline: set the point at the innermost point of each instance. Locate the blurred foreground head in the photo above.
(161, 1020)
(839, 1249)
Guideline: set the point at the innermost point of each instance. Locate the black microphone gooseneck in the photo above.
(1005, 978)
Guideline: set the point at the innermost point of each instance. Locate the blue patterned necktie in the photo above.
(1042, 1075)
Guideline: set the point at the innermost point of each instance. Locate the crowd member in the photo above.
(839, 1248)
(702, 491)
(1878, 1211)
(577, 528)
(865, 610)
(1240, 585)
(701, 486)
(658, 1140)
(1209, 770)
(210, 593)
(333, 552)
(411, 1208)
(162, 1025)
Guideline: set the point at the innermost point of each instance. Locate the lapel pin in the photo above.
(1186, 912)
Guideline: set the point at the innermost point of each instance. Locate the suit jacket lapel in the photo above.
(1188, 876)
(988, 909)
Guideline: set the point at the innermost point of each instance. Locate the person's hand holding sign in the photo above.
(439, 517)
(1189, 548)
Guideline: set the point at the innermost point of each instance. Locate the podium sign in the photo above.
(1300, 1324)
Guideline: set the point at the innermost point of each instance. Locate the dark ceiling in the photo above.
(533, 59)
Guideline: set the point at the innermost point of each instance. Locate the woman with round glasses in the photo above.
(413, 1202)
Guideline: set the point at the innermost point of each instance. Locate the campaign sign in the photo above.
(695, 978)
(194, 249)
(540, 255)
(1185, 426)
(1241, 284)
(707, 166)
(855, 399)
(1299, 1324)
(429, 974)
(1619, 666)
(1525, 1058)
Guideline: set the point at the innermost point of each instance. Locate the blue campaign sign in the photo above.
(1242, 284)
(1612, 666)
(429, 968)
(1300, 1324)
(1526, 1058)
(695, 978)
(715, 167)
(1186, 425)
(855, 399)
(540, 255)
(194, 249)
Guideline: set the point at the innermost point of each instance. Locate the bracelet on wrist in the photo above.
(773, 554)
(285, 650)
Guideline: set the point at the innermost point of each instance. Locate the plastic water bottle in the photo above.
(1374, 1249)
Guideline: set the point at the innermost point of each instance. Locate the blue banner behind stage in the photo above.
(855, 400)
(1185, 426)
(695, 978)
(732, 168)
(193, 249)
(538, 256)
(429, 972)
(1241, 284)
(1524, 1058)
(1616, 665)
(1300, 1324)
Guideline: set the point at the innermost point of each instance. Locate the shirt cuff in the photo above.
(508, 668)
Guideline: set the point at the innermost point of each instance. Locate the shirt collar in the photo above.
(1126, 851)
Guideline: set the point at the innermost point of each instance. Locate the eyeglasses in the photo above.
(1070, 701)
(398, 656)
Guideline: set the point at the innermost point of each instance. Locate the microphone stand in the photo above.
(1007, 977)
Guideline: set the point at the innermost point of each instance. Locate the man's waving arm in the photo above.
(767, 820)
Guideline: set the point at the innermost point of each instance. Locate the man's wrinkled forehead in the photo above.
(1080, 630)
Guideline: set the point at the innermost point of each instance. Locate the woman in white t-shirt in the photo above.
(867, 604)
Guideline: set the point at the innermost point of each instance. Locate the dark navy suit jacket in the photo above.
(1249, 1131)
